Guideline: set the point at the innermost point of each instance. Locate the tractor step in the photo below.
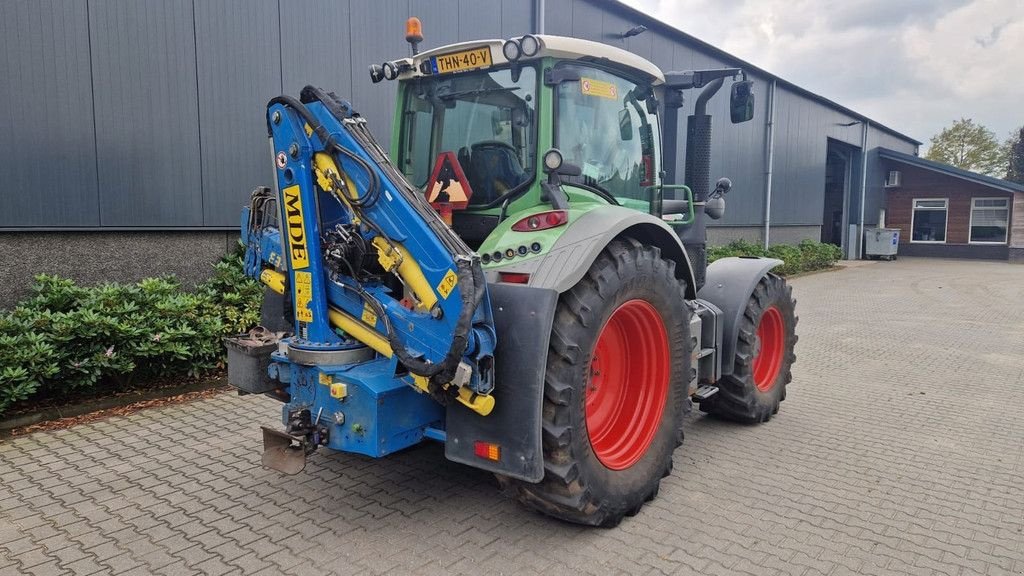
(704, 392)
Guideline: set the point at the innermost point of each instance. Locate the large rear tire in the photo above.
(615, 386)
(764, 356)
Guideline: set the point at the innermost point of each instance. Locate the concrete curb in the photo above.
(813, 272)
(89, 406)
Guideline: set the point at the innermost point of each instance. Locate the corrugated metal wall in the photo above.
(148, 113)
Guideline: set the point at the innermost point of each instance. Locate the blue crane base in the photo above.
(362, 408)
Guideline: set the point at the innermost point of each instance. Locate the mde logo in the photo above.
(296, 229)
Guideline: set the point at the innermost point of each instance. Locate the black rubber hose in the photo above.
(442, 372)
(373, 191)
(470, 275)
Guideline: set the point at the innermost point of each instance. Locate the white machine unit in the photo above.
(881, 242)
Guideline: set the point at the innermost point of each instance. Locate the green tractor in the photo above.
(584, 318)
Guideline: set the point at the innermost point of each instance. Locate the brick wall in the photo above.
(1017, 221)
(921, 184)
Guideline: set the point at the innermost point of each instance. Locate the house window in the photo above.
(989, 220)
(929, 220)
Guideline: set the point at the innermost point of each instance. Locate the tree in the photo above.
(969, 146)
(1015, 156)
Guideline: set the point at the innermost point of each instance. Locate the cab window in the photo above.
(603, 127)
(487, 118)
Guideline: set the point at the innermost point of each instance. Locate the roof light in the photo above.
(530, 45)
(413, 30)
(542, 221)
(390, 70)
(414, 34)
(511, 50)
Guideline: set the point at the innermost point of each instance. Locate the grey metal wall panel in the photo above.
(315, 45)
(662, 51)
(558, 17)
(377, 34)
(147, 118)
(737, 150)
(481, 18)
(516, 20)
(587, 21)
(46, 121)
(874, 198)
(179, 101)
(238, 52)
(803, 129)
(440, 21)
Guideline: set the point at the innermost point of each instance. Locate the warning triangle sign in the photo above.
(448, 184)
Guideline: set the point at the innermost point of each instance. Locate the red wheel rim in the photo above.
(627, 384)
(771, 340)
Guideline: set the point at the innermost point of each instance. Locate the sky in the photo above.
(913, 65)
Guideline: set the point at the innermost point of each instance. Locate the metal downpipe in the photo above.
(769, 163)
(863, 187)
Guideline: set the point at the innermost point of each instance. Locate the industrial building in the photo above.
(942, 211)
(134, 129)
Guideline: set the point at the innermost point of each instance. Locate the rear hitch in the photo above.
(286, 451)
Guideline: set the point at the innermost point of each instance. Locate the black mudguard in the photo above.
(522, 319)
(730, 282)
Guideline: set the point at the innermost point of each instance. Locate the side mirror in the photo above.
(715, 208)
(741, 101)
(625, 125)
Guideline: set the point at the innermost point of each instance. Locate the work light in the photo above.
(529, 45)
(511, 50)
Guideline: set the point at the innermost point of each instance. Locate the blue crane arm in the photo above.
(363, 255)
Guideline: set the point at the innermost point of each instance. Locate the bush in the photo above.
(804, 257)
(67, 338)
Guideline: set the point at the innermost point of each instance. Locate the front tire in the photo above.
(764, 356)
(615, 385)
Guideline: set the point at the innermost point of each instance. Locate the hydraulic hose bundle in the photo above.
(470, 280)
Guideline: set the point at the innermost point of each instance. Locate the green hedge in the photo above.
(804, 257)
(66, 339)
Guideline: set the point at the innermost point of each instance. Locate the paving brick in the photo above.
(875, 465)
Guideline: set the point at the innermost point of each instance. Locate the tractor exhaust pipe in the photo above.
(698, 177)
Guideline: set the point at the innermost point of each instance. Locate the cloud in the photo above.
(914, 65)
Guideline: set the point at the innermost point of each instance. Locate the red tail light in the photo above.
(514, 277)
(542, 221)
(487, 450)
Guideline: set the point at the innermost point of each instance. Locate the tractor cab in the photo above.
(497, 106)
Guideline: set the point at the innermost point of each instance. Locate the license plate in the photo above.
(459, 61)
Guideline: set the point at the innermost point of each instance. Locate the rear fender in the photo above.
(522, 319)
(730, 282)
(577, 249)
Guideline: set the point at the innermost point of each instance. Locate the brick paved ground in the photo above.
(899, 451)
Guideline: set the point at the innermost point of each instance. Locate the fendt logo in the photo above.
(296, 228)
